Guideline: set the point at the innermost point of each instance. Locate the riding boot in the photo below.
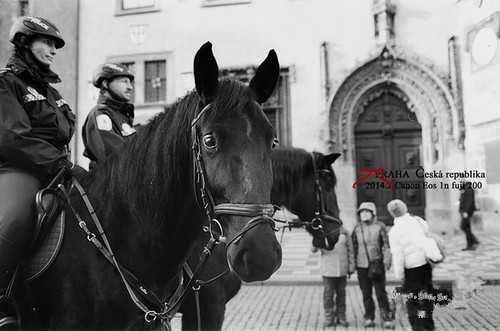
(17, 219)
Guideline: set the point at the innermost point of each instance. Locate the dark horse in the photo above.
(145, 200)
(293, 187)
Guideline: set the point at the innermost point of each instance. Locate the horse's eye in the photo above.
(275, 143)
(209, 141)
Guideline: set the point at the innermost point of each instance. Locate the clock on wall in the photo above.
(484, 46)
(482, 42)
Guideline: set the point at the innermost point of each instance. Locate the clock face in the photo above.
(484, 46)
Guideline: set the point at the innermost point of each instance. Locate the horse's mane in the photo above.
(289, 165)
(152, 171)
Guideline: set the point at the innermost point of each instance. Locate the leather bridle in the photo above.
(258, 213)
(320, 217)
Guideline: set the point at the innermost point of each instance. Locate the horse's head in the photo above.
(325, 224)
(233, 141)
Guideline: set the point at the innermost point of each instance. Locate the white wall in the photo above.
(241, 35)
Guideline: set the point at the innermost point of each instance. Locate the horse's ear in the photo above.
(325, 161)
(264, 81)
(331, 158)
(206, 73)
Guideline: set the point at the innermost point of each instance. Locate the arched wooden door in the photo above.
(388, 135)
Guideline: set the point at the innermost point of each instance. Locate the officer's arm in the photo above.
(102, 140)
(17, 142)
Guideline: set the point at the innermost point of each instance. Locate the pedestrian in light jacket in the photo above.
(335, 266)
(412, 250)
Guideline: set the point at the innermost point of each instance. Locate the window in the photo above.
(134, 4)
(155, 81)
(277, 106)
(126, 7)
(24, 6)
(153, 78)
(213, 3)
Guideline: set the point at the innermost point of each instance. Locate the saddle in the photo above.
(49, 230)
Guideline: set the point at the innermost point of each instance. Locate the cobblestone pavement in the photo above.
(282, 307)
(292, 298)
(300, 264)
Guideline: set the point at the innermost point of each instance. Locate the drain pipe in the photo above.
(326, 70)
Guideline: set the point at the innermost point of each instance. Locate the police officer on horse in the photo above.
(111, 120)
(36, 125)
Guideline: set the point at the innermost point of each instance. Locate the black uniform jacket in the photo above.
(36, 123)
(106, 128)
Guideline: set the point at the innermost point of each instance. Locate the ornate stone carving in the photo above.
(424, 92)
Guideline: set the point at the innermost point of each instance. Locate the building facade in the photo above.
(406, 90)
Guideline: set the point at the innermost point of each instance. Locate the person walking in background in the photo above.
(335, 266)
(467, 207)
(412, 251)
(372, 257)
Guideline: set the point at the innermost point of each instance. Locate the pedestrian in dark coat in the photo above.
(110, 122)
(36, 125)
(467, 208)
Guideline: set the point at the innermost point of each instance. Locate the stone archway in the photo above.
(425, 93)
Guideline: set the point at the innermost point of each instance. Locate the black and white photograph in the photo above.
(234, 165)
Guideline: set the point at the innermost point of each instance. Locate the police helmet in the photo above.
(109, 71)
(30, 26)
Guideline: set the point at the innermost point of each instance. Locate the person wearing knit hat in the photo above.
(412, 248)
(397, 208)
(371, 245)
